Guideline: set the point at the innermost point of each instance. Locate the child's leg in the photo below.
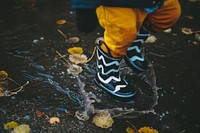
(164, 17)
(157, 21)
(121, 26)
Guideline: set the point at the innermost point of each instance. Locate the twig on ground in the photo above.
(62, 33)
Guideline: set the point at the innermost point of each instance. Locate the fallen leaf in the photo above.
(75, 50)
(129, 130)
(72, 40)
(3, 75)
(151, 39)
(74, 69)
(1, 92)
(195, 43)
(147, 130)
(82, 115)
(23, 128)
(186, 31)
(78, 58)
(60, 22)
(197, 37)
(189, 17)
(54, 120)
(39, 113)
(103, 120)
(169, 30)
(10, 125)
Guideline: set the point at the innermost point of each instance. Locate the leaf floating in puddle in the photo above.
(23, 128)
(10, 125)
(3, 75)
(103, 120)
(75, 50)
(74, 69)
(73, 40)
(54, 120)
(60, 22)
(186, 31)
(78, 58)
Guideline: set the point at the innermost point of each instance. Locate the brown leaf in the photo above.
(39, 114)
(72, 40)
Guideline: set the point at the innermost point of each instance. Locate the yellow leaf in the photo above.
(2, 93)
(103, 119)
(10, 125)
(75, 50)
(129, 130)
(147, 130)
(54, 120)
(62, 21)
(190, 17)
(3, 75)
(23, 128)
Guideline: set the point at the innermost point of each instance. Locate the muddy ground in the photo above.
(29, 38)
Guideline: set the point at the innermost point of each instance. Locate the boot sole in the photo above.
(119, 98)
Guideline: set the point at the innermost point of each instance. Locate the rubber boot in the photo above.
(135, 56)
(108, 77)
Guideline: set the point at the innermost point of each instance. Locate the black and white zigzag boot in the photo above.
(108, 77)
(135, 56)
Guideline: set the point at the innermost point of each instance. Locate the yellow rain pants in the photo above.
(122, 24)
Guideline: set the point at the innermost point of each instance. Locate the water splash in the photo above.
(146, 89)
